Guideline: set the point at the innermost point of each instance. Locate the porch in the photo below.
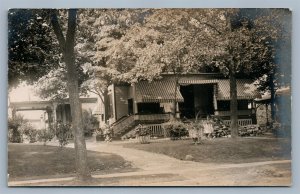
(191, 97)
(157, 130)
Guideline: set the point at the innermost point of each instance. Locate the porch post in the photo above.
(253, 113)
(215, 98)
(54, 106)
(135, 108)
(177, 113)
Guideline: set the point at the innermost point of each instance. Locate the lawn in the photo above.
(38, 161)
(222, 150)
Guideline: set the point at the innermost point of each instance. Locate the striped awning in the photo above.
(192, 80)
(157, 91)
(245, 89)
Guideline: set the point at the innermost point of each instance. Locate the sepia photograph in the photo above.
(149, 97)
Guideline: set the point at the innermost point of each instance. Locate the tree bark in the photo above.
(272, 90)
(105, 99)
(72, 78)
(174, 102)
(233, 104)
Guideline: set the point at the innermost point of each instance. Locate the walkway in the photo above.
(161, 170)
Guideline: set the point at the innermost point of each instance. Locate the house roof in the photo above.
(245, 89)
(157, 91)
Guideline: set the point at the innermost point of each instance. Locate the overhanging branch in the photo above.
(58, 31)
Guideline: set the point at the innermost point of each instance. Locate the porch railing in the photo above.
(241, 122)
(227, 113)
(157, 130)
(152, 117)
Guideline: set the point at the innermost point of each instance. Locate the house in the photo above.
(196, 95)
(50, 112)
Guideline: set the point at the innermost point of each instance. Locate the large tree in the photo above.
(67, 45)
(37, 46)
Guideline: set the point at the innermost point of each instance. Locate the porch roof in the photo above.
(157, 91)
(245, 89)
(193, 80)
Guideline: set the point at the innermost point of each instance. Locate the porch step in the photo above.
(128, 123)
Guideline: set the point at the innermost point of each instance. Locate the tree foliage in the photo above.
(235, 42)
(32, 48)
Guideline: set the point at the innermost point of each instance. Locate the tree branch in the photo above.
(58, 31)
(97, 93)
(70, 43)
(213, 27)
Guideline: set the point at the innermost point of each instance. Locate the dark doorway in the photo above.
(187, 108)
(130, 106)
(203, 99)
(198, 99)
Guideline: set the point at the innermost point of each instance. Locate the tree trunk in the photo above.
(106, 105)
(272, 90)
(67, 47)
(233, 104)
(174, 103)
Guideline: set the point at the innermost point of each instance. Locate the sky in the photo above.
(23, 92)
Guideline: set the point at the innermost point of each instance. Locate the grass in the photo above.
(38, 161)
(222, 150)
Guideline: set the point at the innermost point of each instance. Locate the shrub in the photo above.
(175, 129)
(63, 132)
(107, 132)
(14, 131)
(90, 123)
(142, 133)
(141, 130)
(14, 135)
(45, 135)
(30, 132)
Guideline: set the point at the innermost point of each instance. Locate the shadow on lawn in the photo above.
(27, 161)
